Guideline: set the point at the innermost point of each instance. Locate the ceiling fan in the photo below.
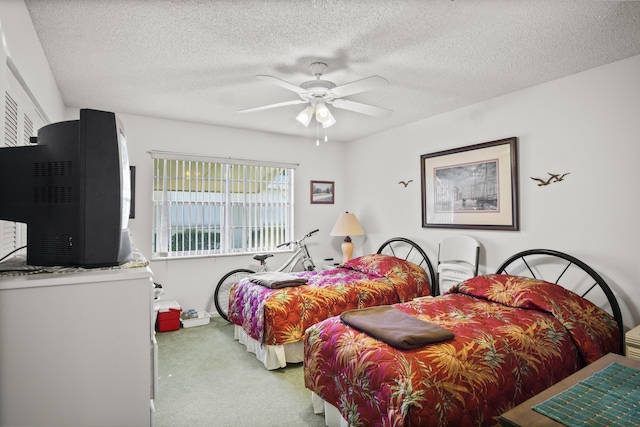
(318, 93)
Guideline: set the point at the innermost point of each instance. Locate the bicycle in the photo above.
(300, 257)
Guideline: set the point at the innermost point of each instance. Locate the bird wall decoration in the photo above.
(558, 177)
(553, 177)
(405, 183)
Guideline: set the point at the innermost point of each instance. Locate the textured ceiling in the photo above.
(196, 60)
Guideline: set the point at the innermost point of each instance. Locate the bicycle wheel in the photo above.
(221, 295)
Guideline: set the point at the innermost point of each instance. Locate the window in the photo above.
(211, 206)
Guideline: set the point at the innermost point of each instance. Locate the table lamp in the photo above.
(347, 225)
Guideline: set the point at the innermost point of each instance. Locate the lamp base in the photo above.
(347, 249)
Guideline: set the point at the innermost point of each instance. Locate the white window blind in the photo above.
(215, 206)
(21, 121)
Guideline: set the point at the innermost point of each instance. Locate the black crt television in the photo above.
(72, 189)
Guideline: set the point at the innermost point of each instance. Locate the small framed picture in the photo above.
(322, 192)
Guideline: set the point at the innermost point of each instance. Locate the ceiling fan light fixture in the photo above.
(322, 112)
(305, 116)
(329, 121)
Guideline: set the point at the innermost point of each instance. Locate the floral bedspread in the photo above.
(514, 337)
(281, 316)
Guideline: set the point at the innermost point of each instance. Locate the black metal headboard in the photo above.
(408, 250)
(569, 272)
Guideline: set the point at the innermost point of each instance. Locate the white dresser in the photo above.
(77, 349)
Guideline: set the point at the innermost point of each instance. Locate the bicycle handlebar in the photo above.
(311, 233)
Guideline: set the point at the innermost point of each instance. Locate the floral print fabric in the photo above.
(514, 337)
(281, 316)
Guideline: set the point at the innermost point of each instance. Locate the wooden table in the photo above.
(523, 415)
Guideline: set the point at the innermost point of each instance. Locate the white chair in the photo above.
(457, 260)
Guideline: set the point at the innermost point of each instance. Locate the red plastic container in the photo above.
(169, 320)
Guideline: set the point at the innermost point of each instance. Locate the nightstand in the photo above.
(632, 343)
(523, 415)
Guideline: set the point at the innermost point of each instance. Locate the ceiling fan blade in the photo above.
(282, 83)
(373, 82)
(279, 104)
(359, 107)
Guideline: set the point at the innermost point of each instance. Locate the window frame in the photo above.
(224, 214)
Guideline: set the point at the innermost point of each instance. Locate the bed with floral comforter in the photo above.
(514, 336)
(268, 319)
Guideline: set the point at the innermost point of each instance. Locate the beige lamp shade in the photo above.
(347, 225)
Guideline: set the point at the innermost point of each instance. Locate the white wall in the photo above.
(587, 124)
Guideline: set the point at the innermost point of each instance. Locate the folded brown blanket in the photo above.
(395, 327)
(277, 279)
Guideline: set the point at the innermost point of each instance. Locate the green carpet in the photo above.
(206, 378)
